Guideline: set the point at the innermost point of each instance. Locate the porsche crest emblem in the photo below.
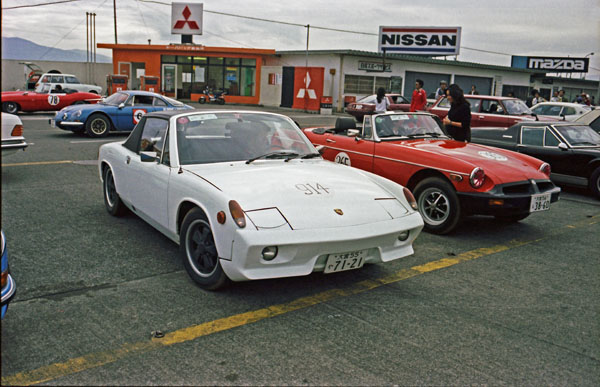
(338, 211)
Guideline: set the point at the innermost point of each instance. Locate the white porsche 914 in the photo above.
(247, 196)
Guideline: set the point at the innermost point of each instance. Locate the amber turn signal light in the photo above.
(411, 199)
(221, 217)
(237, 213)
(17, 131)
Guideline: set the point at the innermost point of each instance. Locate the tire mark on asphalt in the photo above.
(97, 359)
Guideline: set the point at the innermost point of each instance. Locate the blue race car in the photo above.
(8, 284)
(118, 113)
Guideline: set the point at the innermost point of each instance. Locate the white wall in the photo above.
(13, 73)
(270, 95)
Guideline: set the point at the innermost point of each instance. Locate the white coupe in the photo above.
(247, 196)
(12, 134)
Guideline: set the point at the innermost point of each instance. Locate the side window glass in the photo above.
(367, 127)
(444, 103)
(550, 139)
(532, 136)
(568, 111)
(153, 135)
(129, 102)
(491, 107)
(72, 80)
(45, 79)
(553, 110)
(143, 100)
(475, 104)
(159, 102)
(166, 156)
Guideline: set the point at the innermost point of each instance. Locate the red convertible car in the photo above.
(367, 105)
(449, 178)
(46, 100)
(492, 111)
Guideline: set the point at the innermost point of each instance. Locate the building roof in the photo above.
(408, 58)
(192, 48)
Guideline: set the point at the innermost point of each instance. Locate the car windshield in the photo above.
(116, 99)
(45, 89)
(172, 101)
(406, 125)
(222, 137)
(516, 107)
(579, 135)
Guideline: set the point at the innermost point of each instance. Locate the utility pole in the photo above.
(115, 16)
(306, 65)
(87, 46)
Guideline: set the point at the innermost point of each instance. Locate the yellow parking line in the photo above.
(38, 163)
(71, 366)
(97, 359)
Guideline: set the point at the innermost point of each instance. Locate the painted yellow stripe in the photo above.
(71, 366)
(38, 163)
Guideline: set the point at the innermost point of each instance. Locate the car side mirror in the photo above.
(563, 146)
(563, 117)
(148, 157)
(121, 105)
(353, 132)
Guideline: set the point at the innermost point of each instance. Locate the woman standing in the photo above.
(382, 101)
(458, 120)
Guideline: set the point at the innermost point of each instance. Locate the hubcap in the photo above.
(434, 206)
(110, 191)
(200, 248)
(11, 107)
(98, 126)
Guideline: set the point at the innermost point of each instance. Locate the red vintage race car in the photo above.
(449, 178)
(367, 105)
(46, 100)
(492, 111)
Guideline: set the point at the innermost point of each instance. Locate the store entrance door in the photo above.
(169, 80)
(287, 87)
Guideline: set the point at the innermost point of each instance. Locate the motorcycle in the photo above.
(215, 97)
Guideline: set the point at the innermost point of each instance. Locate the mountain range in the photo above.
(22, 49)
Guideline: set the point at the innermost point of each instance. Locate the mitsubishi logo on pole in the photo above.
(311, 92)
(186, 14)
(191, 24)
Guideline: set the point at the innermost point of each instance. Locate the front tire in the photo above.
(97, 125)
(112, 200)
(202, 100)
(438, 204)
(199, 251)
(10, 107)
(594, 183)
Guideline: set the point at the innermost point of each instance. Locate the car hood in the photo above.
(502, 165)
(307, 193)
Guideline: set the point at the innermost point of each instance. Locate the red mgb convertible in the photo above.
(449, 178)
(45, 100)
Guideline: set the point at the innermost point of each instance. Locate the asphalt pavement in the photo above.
(490, 303)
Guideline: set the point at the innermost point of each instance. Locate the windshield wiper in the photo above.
(310, 155)
(273, 155)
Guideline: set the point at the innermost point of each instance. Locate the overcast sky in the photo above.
(518, 27)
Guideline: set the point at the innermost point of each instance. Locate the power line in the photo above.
(39, 4)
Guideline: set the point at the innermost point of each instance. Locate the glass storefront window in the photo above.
(232, 61)
(214, 79)
(248, 62)
(200, 60)
(168, 58)
(184, 59)
(215, 60)
(232, 80)
(247, 82)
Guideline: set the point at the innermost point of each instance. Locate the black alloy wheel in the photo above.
(438, 204)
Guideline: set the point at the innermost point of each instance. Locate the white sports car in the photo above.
(247, 196)
(12, 134)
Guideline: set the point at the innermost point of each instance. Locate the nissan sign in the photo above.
(186, 18)
(551, 64)
(420, 40)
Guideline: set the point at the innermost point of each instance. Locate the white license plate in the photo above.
(345, 261)
(52, 124)
(540, 202)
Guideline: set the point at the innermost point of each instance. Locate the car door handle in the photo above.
(330, 140)
(128, 160)
(481, 117)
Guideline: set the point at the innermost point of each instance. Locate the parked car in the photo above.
(248, 197)
(9, 287)
(591, 118)
(12, 134)
(560, 110)
(65, 81)
(488, 110)
(571, 149)
(44, 100)
(366, 105)
(449, 178)
(120, 113)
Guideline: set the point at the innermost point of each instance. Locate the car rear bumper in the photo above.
(506, 199)
(8, 294)
(12, 146)
(301, 252)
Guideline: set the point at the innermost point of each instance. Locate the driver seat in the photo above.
(342, 124)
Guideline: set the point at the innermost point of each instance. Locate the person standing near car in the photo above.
(382, 103)
(458, 121)
(419, 97)
(561, 96)
(441, 91)
(537, 98)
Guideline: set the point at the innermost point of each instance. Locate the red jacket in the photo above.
(419, 100)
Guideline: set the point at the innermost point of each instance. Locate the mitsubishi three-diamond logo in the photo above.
(186, 18)
(311, 92)
(186, 15)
